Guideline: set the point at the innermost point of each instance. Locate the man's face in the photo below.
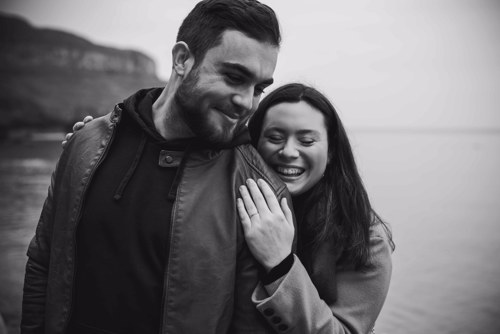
(217, 98)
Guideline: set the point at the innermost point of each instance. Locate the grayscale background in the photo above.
(416, 83)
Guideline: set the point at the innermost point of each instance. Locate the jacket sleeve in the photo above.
(36, 275)
(246, 318)
(293, 305)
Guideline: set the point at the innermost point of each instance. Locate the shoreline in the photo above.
(33, 135)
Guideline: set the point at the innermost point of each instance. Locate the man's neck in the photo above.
(166, 116)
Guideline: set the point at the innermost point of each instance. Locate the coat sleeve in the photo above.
(246, 318)
(37, 267)
(293, 305)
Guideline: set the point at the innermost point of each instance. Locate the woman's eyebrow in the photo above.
(308, 131)
(300, 132)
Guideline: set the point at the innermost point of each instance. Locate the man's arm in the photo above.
(36, 277)
(246, 317)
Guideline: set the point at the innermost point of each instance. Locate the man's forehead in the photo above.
(238, 51)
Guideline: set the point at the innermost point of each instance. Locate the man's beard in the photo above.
(188, 98)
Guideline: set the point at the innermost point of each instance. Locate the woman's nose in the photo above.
(289, 151)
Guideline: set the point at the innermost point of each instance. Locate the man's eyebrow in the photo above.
(246, 72)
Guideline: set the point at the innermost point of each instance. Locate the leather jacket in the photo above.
(210, 273)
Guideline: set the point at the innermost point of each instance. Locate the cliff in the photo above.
(51, 78)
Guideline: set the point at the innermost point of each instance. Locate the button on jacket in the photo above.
(210, 273)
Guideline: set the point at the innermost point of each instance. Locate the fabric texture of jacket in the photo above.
(210, 272)
(292, 304)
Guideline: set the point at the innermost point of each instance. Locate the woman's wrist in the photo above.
(278, 271)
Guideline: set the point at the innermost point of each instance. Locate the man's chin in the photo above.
(224, 134)
(216, 137)
(221, 138)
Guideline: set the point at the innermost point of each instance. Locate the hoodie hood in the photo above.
(140, 107)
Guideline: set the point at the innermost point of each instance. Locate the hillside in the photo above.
(51, 78)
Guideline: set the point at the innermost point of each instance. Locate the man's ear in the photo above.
(182, 59)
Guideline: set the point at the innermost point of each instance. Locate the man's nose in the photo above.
(244, 99)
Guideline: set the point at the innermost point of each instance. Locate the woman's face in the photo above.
(294, 142)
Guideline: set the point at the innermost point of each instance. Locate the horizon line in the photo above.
(426, 130)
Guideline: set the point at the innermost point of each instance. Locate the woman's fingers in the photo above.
(257, 196)
(271, 200)
(66, 138)
(286, 210)
(87, 119)
(245, 219)
(248, 202)
(263, 196)
(78, 125)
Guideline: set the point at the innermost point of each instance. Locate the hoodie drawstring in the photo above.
(131, 170)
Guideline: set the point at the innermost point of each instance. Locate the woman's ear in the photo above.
(182, 59)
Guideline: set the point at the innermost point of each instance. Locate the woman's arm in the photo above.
(292, 303)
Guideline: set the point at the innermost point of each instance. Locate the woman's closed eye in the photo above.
(275, 138)
(307, 141)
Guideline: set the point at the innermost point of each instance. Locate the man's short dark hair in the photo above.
(203, 27)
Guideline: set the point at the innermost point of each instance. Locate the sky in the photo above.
(387, 64)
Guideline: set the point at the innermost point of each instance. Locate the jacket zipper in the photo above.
(99, 161)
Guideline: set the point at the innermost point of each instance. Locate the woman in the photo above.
(339, 277)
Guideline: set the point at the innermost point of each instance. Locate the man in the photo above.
(139, 232)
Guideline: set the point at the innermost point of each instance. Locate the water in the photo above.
(25, 169)
(439, 191)
(441, 194)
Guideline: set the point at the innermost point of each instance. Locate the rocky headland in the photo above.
(51, 78)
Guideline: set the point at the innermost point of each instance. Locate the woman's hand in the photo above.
(76, 127)
(267, 225)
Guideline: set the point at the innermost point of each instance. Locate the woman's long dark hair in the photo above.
(337, 208)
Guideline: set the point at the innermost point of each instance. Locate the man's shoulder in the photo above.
(100, 124)
(106, 120)
(257, 167)
(253, 158)
(92, 136)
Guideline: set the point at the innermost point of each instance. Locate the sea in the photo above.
(438, 189)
